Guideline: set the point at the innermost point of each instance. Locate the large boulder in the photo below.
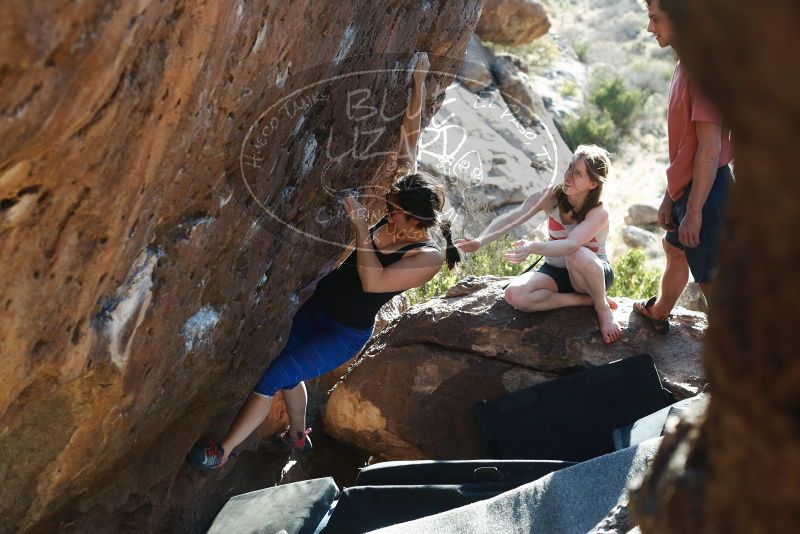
(412, 393)
(147, 280)
(512, 22)
(636, 237)
(692, 298)
(389, 312)
(512, 80)
(642, 215)
(489, 158)
(475, 73)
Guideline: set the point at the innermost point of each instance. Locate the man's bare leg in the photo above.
(673, 281)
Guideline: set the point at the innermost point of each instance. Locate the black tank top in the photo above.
(340, 295)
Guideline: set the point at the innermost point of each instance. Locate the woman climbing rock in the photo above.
(576, 271)
(333, 325)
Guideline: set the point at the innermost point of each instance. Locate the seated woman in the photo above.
(576, 271)
(335, 323)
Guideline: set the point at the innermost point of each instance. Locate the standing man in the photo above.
(698, 177)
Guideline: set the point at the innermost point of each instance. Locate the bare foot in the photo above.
(609, 328)
(612, 303)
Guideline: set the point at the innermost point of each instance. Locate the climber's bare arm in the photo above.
(595, 221)
(508, 221)
(413, 270)
(410, 130)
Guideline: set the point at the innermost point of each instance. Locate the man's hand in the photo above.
(519, 253)
(665, 220)
(689, 231)
(468, 245)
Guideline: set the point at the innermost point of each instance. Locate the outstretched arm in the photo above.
(410, 130)
(508, 221)
(595, 221)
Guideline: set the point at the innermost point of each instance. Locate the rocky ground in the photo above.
(469, 345)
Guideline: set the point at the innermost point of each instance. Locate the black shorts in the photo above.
(702, 259)
(561, 276)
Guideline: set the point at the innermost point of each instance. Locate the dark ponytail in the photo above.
(422, 197)
(453, 256)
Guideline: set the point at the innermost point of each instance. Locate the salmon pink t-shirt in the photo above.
(688, 106)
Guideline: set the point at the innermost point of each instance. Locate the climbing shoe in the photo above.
(208, 457)
(282, 442)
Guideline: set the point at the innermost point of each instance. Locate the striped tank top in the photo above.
(558, 230)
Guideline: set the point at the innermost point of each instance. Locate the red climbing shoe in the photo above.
(281, 442)
(206, 458)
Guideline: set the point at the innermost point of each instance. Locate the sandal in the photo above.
(643, 308)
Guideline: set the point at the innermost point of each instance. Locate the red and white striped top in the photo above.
(558, 230)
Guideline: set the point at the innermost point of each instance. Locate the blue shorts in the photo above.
(561, 276)
(703, 258)
(317, 344)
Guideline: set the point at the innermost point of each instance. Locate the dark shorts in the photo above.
(703, 258)
(561, 276)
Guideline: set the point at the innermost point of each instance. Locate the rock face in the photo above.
(636, 237)
(389, 312)
(514, 85)
(512, 22)
(475, 73)
(147, 280)
(564, 71)
(693, 299)
(413, 391)
(642, 215)
(748, 443)
(495, 147)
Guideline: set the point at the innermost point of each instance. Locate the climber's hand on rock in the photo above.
(422, 66)
(520, 252)
(468, 245)
(356, 212)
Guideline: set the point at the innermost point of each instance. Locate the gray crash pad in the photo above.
(295, 508)
(571, 500)
(651, 426)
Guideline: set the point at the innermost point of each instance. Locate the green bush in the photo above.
(612, 96)
(632, 278)
(569, 88)
(581, 51)
(609, 119)
(590, 127)
(487, 260)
